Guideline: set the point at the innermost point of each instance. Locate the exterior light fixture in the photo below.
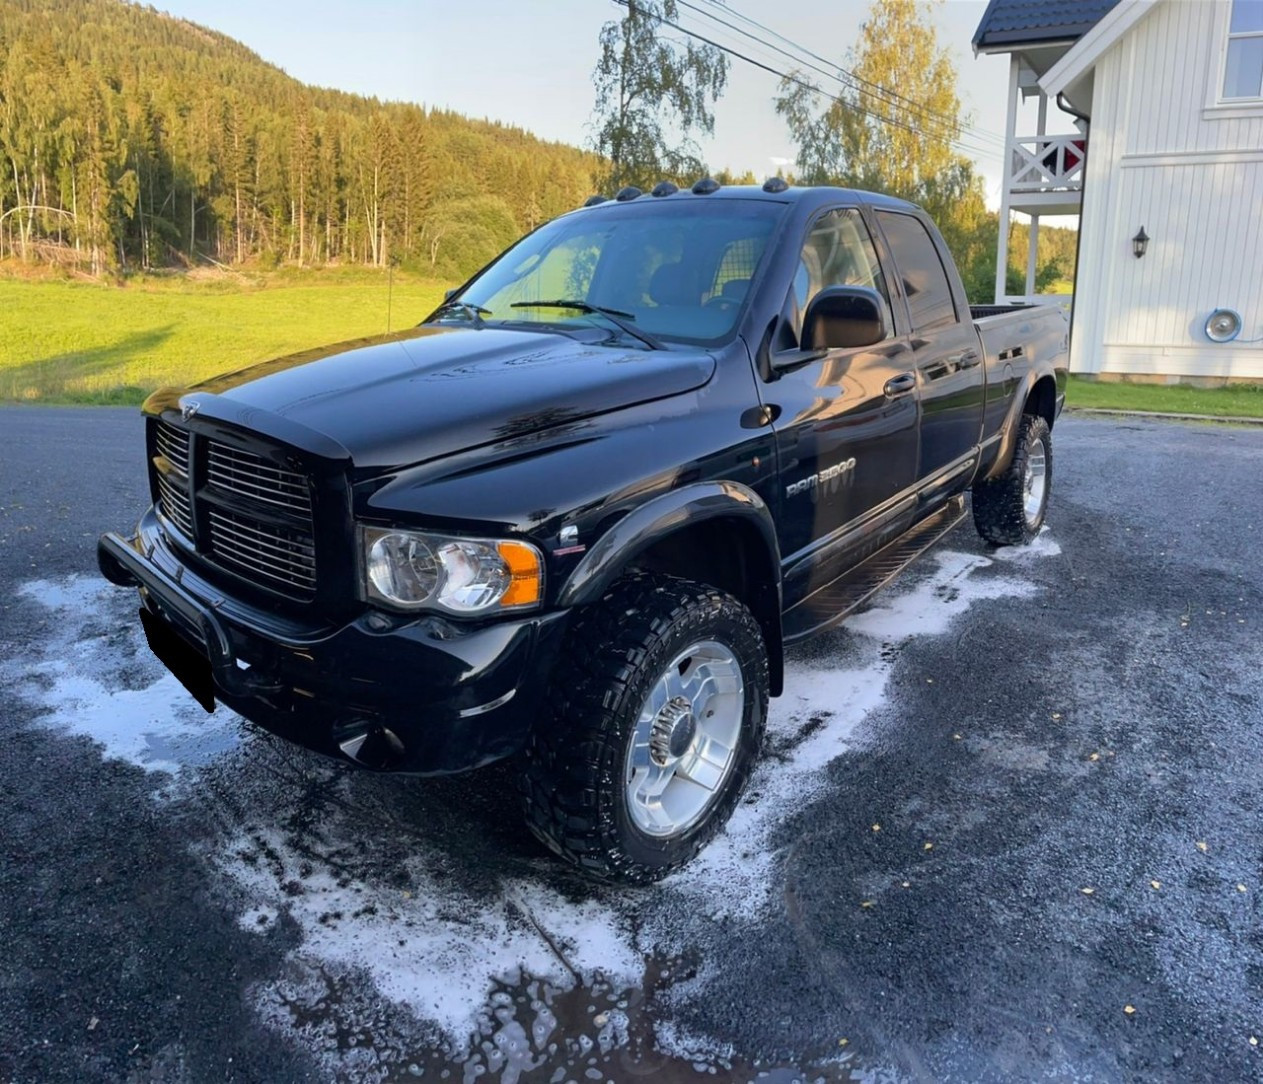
(1223, 325)
(1140, 243)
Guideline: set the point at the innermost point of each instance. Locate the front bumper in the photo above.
(411, 694)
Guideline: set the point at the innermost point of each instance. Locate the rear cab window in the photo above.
(926, 284)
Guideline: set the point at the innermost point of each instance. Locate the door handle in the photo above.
(900, 385)
(969, 359)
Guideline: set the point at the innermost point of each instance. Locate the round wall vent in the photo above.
(1223, 325)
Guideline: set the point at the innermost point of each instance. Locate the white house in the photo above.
(1167, 146)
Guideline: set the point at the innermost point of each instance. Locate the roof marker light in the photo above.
(705, 186)
(630, 192)
(664, 188)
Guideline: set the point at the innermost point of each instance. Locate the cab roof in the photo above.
(810, 195)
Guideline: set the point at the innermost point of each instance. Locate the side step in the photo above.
(830, 604)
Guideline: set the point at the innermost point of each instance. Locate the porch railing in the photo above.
(1047, 163)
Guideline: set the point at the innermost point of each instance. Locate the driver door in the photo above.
(846, 425)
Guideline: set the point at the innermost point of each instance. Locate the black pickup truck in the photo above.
(579, 512)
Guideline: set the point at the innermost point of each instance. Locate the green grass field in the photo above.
(68, 342)
(1234, 401)
(83, 342)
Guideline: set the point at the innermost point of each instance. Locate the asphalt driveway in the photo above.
(1007, 827)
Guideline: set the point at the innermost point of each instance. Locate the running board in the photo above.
(830, 604)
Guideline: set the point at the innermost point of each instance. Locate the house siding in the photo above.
(1163, 155)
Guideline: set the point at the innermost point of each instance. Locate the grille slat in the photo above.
(282, 480)
(173, 445)
(293, 501)
(297, 552)
(278, 554)
(252, 476)
(284, 569)
(175, 505)
(254, 572)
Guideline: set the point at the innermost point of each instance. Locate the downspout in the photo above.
(1064, 105)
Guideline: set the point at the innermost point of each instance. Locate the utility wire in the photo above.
(810, 87)
(844, 75)
(841, 75)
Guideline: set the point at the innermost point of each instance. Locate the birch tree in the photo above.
(652, 95)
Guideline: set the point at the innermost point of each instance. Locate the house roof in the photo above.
(1013, 23)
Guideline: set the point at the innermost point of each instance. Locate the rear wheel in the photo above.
(1009, 510)
(656, 717)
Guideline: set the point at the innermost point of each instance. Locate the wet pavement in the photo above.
(1006, 827)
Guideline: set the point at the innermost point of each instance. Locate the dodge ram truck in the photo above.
(577, 515)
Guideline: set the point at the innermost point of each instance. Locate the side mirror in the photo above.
(839, 317)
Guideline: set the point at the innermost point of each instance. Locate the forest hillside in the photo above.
(130, 139)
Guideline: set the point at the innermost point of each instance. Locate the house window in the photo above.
(1243, 69)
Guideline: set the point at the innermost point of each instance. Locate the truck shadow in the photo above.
(88, 373)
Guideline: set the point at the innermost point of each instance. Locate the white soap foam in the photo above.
(143, 716)
(1042, 545)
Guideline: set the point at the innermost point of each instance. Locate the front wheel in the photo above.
(655, 718)
(1009, 510)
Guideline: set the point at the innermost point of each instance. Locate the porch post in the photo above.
(1002, 241)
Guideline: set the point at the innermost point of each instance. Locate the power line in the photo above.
(840, 74)
(877, 87)
(959, 143)
(810, 87)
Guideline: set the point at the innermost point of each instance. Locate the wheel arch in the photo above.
(1037, 395)
(718, 533)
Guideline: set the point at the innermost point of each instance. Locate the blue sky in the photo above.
(529, 62)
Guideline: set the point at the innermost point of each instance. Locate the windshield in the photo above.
(676, 271)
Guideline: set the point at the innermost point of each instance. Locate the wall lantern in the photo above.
(1140, 243)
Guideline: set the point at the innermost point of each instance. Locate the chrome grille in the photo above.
(252, 476)
(173, 445)
(264, 552)
(174, 504)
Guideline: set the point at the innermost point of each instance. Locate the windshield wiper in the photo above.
(473, 313)
(615, 316)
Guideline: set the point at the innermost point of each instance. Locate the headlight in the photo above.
(413, 570)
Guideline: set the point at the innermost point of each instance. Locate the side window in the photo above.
(924, 278)
(1243, 66)
(838, 252)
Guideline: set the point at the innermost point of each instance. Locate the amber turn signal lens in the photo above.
(527, 586)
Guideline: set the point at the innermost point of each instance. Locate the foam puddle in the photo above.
(135, 711)
(403, 966)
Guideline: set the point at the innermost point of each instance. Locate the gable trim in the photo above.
(1093, 45)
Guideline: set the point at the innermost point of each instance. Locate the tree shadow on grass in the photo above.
(93, 375)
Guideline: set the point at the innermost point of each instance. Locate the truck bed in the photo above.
(983, 312)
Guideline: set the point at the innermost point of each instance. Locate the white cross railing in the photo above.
(1047, 163)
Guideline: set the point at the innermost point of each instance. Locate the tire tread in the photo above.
(998, 503)
(574, 756)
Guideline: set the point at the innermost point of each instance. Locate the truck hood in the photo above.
(407, 398)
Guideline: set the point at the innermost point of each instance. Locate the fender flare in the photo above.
(1013, 420)
(663, 516)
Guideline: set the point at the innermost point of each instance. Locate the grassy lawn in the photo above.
(1236, 400)
(86, 342)
(94, 343)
